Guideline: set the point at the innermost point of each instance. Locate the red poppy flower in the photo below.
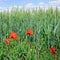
(30, 32)
(53, 50)
(14, 36)
(8, 41)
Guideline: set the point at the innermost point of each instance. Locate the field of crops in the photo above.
(45, 34)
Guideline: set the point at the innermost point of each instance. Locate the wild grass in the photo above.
(46, 27)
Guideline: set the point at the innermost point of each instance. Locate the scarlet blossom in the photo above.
(53, 50)
(14, 36)
(30, 32)
(8, 41)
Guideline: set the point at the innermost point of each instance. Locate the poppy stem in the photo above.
(48, 42)
(54, 57)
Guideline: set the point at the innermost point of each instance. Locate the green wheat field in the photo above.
(46, 28)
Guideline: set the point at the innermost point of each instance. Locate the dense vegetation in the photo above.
(46, 28)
